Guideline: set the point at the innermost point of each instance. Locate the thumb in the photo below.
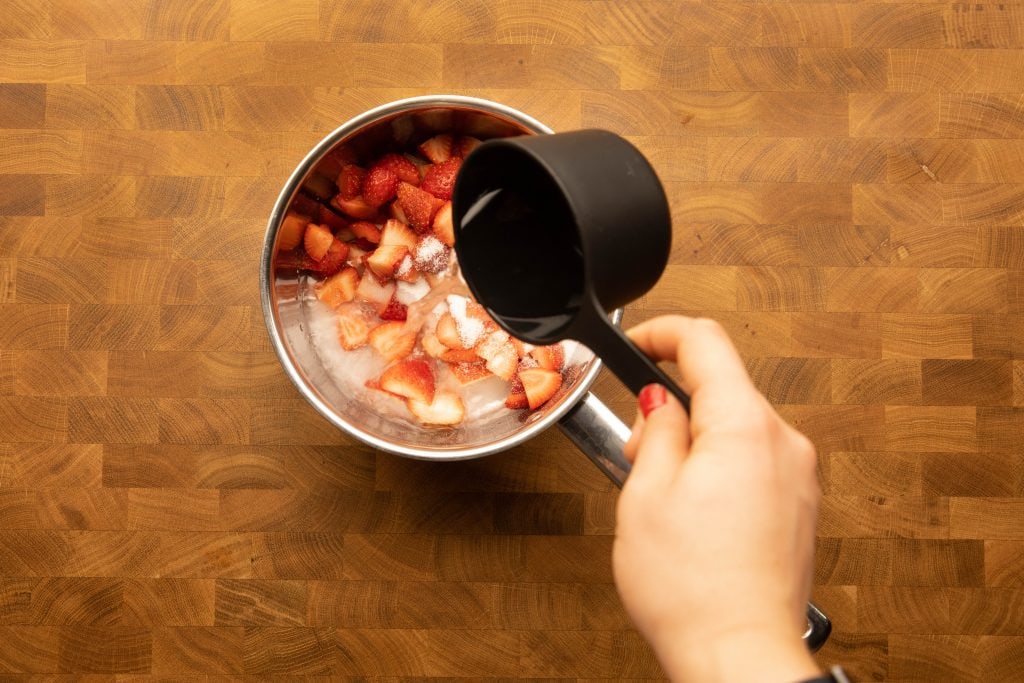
(665, 439)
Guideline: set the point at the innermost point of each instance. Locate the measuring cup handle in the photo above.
(626, 360)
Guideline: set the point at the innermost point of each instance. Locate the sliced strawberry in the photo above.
(380, 186)
(516, 395)
(372, 291)
(549, 357)
(467, 373)
(406, 270)
(433, 346)
(419, 206)
(448, 332)
(540, 385)
(350, 181)
(431, 255)
(397, 233)
(317, 241)
(395, 310)
(519, 346)
(401, 167)
(385, 259)
(356, 255)
(293, 227)
(460, 356)
(395, 211)
(409, 379)
(352, 328)
(444, 229)
(499, 353)
(446, 409)
(333, 260)
(437, 148)
(356, 207)
(366, 230)
(332, 220)
(392, 341)
(440, 178)
(339, 288)
(466, 145)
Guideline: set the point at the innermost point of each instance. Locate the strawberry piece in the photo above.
(397, 233)
(401, 167)
(333, 260)
(406, 270)
(356, 207)
(305, 206)
(339, 288)
(365, 230)
(448, 332)
(433, 346)
(385, 259)
(467, 373)
(499, 353)
(380, 186)
(392, 341)
(444, 229)
(445, 410)
(409, 379)
(419, 206)
(540, 385)
(332, 220)
(440, 178)
(395, 211)
(353, 331)
(431, 256)
(372, 291)
(350, 181)
(460, 356)
(293, 227)
(517, 395)
(317, 241)
(319, 186)
(466, 145)
(437, 148)
(549, 357)
(395, 310)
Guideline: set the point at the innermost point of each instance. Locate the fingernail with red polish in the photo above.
(650, 397)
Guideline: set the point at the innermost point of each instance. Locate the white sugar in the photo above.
(404, 267)
(431, 255)
(470, 329)
(408, 292)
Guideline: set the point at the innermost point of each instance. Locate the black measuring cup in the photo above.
(553, 232)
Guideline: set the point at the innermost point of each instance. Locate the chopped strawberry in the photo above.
(499, 353)
(397, 233)
(395, 211)
(339, 288)
(366, 230)
(319, 186)
(395, 310)
(293, 227)
(356, 207)
(333, 260)
(440, 178)
(350, 181)
(401, 167)
(406, 270)
(549, 357)
(392, 341)
(431, 256)
(517, 395)
(437, 148)
(467, 373)
(317, 241)
(356, 255)
(409, 379)
(385, 259)
(444, 229)
(380, 186)
(372, 291)
(306, 206)
(448, 332)
(352, 328)
(332, 220)
(419, 206)
(540, 385)
(364, 244)
(466, 145)
(460, 356)
(432, 345)
(446, 409)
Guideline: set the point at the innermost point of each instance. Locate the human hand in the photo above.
(715, 525)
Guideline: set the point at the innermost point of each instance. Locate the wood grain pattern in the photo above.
(845, 182)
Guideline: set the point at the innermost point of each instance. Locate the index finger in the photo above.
(703, 351)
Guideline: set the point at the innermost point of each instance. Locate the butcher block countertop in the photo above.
(847, 184)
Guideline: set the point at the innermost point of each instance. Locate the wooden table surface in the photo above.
(847, 182)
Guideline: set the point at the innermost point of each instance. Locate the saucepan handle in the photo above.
(602, 436)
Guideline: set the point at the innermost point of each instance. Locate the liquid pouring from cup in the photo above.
(554, 231)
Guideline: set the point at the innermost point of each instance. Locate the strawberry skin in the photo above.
(440, 178)
(418, 206)
(380, 186)
(350, 181)
(395, 310)
(401, 167)
(444, 229)
(409, 379)
(437, 148)
(333, 260)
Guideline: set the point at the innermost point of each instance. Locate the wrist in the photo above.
(753, 653)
